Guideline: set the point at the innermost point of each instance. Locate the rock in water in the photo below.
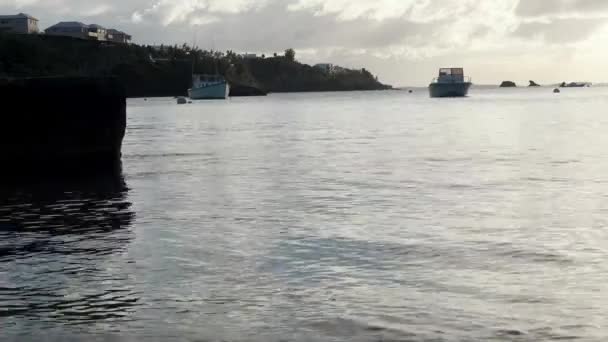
(508, 84)
(556, 91)
(533, 84)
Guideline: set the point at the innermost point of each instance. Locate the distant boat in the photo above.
(450, 83)
(209, 87)
(575, 84)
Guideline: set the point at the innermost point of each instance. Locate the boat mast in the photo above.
(193, 48)
(215, 61)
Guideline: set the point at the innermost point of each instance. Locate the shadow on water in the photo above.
(63, 243)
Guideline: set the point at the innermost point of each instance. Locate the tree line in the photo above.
(167, 70)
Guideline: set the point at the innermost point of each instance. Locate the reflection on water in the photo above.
(57, 240)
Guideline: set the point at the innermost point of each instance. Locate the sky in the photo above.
(404, 42)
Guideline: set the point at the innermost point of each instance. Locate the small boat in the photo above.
(209, 87)
(575, 85)
(450, 83)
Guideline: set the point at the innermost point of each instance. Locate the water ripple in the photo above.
(54, 238)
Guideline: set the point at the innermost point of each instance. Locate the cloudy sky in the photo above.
(403, 41)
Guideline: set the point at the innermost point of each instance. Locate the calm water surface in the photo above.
(378, 216)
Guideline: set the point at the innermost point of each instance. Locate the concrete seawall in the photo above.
(51, 125)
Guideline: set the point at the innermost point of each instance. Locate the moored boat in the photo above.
(450, 83)
(575, 85)
(209, 87)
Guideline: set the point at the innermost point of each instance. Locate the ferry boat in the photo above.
(209, 87)
(450, 83)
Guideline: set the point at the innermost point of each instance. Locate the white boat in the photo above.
(209, 87)
(450, 83)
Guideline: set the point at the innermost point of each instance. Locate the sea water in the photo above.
(356, 216)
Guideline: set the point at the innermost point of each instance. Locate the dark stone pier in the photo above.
(58, 125)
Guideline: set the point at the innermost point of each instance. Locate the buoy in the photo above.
(181, 100)
(410, 91)
(556, 91)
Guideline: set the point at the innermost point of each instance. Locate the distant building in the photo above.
(71, 29)
(249, 56)
(21, 23)
(326, 67)
(118, 37)
(90, 32)
(98, 31)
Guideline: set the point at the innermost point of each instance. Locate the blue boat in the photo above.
(450, 83)
(209, 87)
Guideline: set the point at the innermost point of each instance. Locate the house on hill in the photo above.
(21, 23)
(73, 29)
(79, 30)
(118, 37)
(98, 31)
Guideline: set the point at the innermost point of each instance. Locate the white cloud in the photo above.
(203, 20)
(97, 10)
(137, 17)
(562, 8)
(24, 3)
(353, 9)
(189, 11)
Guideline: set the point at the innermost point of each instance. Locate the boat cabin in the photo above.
(206, 80)
(451, 75)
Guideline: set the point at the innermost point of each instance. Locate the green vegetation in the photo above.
(290, 54)
(166, 71)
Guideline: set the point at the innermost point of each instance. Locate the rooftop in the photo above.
(114, 31)
(70, 24)
(18, 16)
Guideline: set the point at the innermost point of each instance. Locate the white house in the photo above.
(20, 23)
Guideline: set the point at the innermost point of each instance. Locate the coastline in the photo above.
(149, 72)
